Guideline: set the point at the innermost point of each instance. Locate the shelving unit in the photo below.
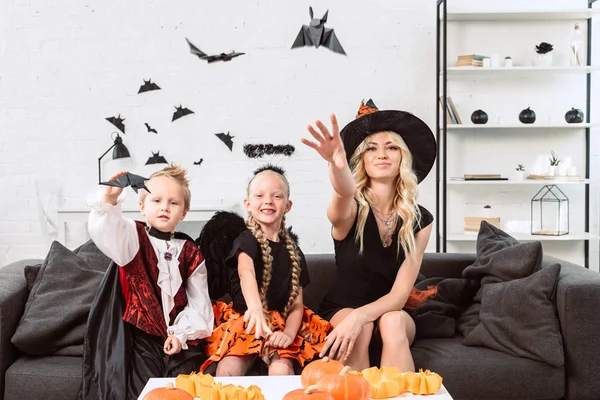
(447, 132)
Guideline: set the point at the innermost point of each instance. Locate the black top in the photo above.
(281, 273)
(364, 278)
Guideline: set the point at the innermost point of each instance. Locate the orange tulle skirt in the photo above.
(230, 339)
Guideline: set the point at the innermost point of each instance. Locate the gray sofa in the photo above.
(469, 372)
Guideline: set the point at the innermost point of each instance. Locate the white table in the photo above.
(81, 214)
(275, 387)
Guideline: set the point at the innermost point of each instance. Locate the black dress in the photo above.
(364, 278)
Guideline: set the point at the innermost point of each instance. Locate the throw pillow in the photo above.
(56, 311)
(518, 317)
(31, 272)
(500, 258)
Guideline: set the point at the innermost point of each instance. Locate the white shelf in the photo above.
(515, 70)
(464, 127)
(471, 237)
(520, 15)
(521, 182)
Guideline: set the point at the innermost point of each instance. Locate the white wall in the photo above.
(65, 67)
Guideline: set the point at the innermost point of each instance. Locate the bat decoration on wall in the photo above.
(199, 162)
(315, 34)
(156, 159)
(135, 181)
(150, 129)
(181, 112)
(226, 138)
(148, 86)
(217, 57)
(259, 150)
(118, 122)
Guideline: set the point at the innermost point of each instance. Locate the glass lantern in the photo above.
(550, 212)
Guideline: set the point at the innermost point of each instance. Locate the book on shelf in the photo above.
(483, 177)
(471, 57)
(453, 109)
(452, 116)
(472, 224)
(466, 63)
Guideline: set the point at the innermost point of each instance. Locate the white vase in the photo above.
(519, 175)
(542, 60)
(551, 170)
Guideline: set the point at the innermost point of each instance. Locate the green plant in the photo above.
(520, 167)
(554, 160)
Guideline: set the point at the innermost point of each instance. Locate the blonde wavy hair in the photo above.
(405, 198)
(267, 259)
(179, 175)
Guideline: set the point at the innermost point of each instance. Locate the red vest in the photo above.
(140, 289)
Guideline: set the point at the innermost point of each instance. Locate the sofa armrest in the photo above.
(578, 302)
(13, 296)
(447, 265)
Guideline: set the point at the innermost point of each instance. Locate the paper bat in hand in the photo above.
(150, 129)
(226, 138)
(148, 86)
(156, 159)
(135, 181)
(181, 112)
(315, 34)
(217, 57)
(118, 122)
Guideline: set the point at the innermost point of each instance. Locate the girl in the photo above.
(380, 232)
(267, 273)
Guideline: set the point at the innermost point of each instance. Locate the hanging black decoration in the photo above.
(199, 162)
(150, 129)
(217, 57)
(118, 122)
(226, 138)
(259, 150)
(156, 158)
(181, 112)
(315, 34)
(148, 86)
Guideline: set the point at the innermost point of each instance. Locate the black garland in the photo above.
(259, 150)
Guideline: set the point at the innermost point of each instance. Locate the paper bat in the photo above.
(181, 112)
(259, 150)
(199, 162)
(118, 122)
(135, 181)
(217, 57)
(156, 159)
(315, 34)
(226, 138)
(150, 129)
(148, 86)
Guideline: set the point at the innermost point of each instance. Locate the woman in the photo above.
(380, 232)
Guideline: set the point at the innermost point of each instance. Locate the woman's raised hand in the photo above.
(329, 145)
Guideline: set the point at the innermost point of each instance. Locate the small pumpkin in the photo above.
(574, 116)
(310, 393)
(198, 385)
(169, 392)
(385, 382)
(479, 117)
(527, 116)
(345, 386)
(316, 369)
(422, 382)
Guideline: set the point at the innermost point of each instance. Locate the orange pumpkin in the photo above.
(345, 386)
(198, 385)
(385, 382)
(422, 382)
(316, 369)
(310, 393)
(169, 392)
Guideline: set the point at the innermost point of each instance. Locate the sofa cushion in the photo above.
(518, 317)
(482, 373)
(48, 378)
(56, 311)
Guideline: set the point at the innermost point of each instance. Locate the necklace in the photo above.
(390, 223)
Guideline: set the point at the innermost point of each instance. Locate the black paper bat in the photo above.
(156, 159)
(226, 138)
(315, 34)
(199, 162)
(135, 181)
(148, 86)
(259, 150)
(217, 57)
(118, 122)
(181, 112)
(150, 129)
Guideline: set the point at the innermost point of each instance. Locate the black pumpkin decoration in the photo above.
(479, 117)
(574, 116)
(527, 116)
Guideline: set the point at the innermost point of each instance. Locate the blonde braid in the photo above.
(267, 259)
(296, 267)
